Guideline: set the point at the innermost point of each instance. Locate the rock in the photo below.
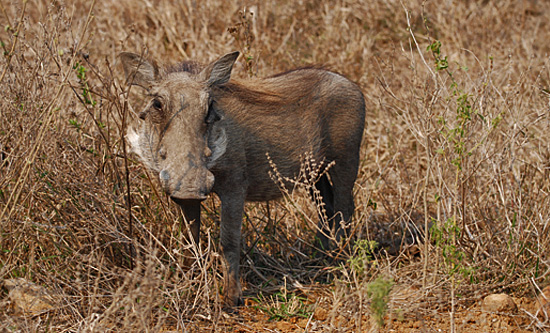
(320, 314)
(28, 298)
(499, 303)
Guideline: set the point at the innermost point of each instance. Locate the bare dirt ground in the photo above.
(324, 318)
(452, 198)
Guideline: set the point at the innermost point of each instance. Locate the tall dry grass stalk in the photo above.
(461, 150)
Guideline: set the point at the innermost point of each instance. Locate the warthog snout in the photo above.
(180, 178)
(196, 184)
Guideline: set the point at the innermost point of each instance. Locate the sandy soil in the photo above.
(250, 318)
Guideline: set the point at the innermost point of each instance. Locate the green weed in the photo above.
(362, 258)
(378, 292)
(87, 98)
(284, 305)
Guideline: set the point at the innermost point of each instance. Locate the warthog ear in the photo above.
(138, 70)
(219, 71)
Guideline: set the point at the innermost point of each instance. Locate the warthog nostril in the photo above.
(164, 175)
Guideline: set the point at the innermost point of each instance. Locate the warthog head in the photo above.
(179, 136)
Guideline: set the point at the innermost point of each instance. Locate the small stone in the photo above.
(499, 303)
(320, 314)
(28, 298)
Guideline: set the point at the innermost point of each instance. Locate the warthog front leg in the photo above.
(192, 213)
(232, 213)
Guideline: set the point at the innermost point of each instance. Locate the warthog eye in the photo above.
(154, 111)
(157, 104)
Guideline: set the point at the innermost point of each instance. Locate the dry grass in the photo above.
(482, 179)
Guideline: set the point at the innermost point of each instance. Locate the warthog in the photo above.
(203, 132)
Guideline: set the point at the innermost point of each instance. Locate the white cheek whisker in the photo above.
(219, 147)
(132, 137)
(141, 143)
